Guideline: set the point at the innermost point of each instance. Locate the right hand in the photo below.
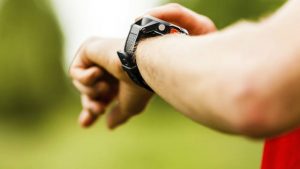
(174, 13)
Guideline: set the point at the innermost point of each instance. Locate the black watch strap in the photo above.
(146, 27)
(132, 71)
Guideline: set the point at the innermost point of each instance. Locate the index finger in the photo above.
(86, 76)
(174, 13)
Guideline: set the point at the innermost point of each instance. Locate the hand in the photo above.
(174, 13)
(98, 75)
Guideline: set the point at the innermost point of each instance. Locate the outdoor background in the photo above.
(39, 107)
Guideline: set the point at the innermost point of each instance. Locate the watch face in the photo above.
(143, 28)
(145, 21)
(155, 26)
(148, 19)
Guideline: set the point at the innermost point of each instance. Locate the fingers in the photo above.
(116, 117)
(174, 13)
(86, 119)
(92, 109)
(132, 101)
(95, 107)
(83, 69)
(97, 72)
(100, 52)
(86, 76)
(95, 100)
(99, 89)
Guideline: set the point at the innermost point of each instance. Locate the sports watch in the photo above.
(145, 27)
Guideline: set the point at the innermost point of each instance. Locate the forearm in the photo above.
(219, 78)
(200, 76)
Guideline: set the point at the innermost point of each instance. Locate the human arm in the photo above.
(243, 80)
(97, 73)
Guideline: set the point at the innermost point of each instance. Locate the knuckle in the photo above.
(84, 100)
(72, 72)
(74, 83)
(211, 27)
(78, 86)
(91, 77)
(88, 47)
(102, 88)
(84, 80)
(91, 93)
(75, 75)
(175, 6)
(97, 73)
(91, 40)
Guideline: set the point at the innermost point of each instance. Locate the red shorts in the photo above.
(282, 152)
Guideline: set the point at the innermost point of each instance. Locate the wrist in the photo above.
(99, 49)
(144, 28)
(142, 51)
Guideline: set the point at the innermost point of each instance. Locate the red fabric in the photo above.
(282, 152)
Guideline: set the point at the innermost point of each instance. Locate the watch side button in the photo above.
(122, 57)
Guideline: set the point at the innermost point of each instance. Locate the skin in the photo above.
(242, 80)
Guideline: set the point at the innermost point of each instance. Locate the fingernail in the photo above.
(85, 119)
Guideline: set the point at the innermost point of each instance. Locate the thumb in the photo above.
(131, 101)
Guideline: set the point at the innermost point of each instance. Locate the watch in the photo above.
(145, 27)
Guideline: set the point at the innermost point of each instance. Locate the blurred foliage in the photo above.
(31, 48)
(225, 12)
(160, 138)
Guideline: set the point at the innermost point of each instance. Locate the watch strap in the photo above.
(146, 27)
(132, 71)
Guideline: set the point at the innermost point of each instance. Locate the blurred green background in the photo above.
(39, 108)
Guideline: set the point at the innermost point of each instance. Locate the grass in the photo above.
(160, 138)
